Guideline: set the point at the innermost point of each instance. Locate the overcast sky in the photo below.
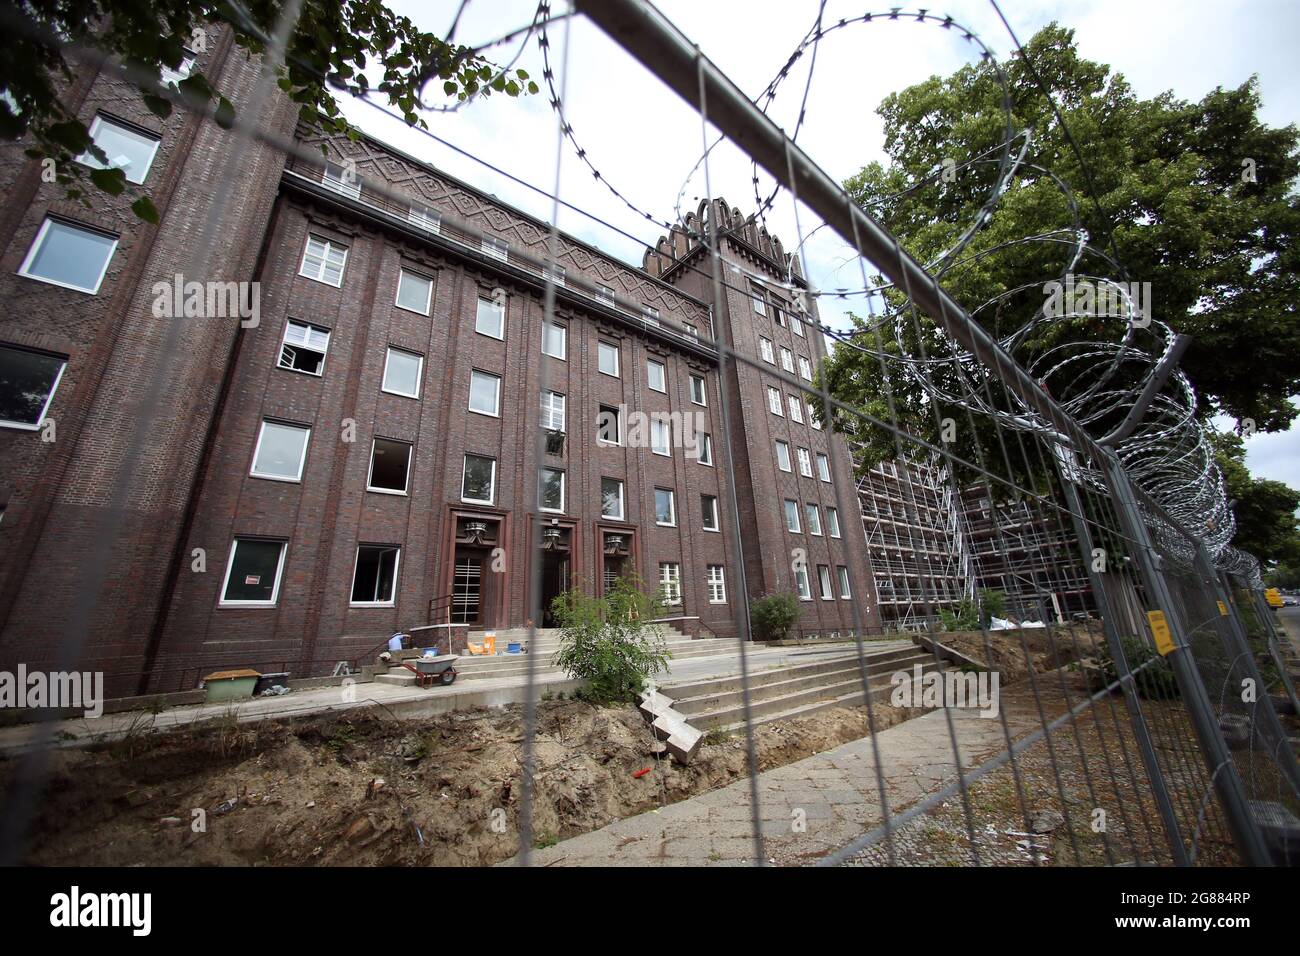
(647, 143)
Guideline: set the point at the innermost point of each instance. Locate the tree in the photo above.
(332, 48)
(609, 642)
(773, 616)
(1198, 199)
(1265, 510)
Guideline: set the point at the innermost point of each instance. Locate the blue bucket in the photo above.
(513, 648)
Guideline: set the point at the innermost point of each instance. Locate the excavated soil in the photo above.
(366, 789)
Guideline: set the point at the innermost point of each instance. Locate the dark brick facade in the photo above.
(160, 610)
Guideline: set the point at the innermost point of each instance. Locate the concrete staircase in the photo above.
(791, 691)
(547, 642)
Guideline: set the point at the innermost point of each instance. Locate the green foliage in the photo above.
(1219, 248)
(351, 47)
(1265, 510)
(607, 642)
(1155, 683)
(970, 615)
(773, 616)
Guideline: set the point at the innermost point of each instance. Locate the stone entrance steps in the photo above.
(791, 691)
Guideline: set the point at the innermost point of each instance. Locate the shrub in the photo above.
(608, 642)
(1157, 682)
(772, 617)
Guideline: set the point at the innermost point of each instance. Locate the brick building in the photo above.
(362, 455)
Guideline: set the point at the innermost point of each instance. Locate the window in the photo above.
(823, 467)
(796, 410)
(665, 507)
(805, 463)
(717, 584)
(843, 574)
(280, 452)
(342, 179)
(670, 583)
(555, 340)
(814, 516)
(554, 273)
(824, 580)
(67, 255)
(706, 449)
(374, 577)
(801, 583)
(403, 372)
(609, 426)
(496, 248)
(792, 516)
(765, 346)
(128, 149)
(182, 69)
(426, 217)
(323, 261)
(553, 408)
(832, 521)
(797, 325)
(390, 464)
(812, 417)
(805, 368)
(605, 293)
(698, 395)
(611, 498)
(787, 359)
(550, 490)
(651, 314)
(778, 314)
(27, 383)
(607, 358)
(490, 319)
(690, 330)
(478, 483)
(783, 455)
(484, 393)
(414, 292)
(303, 348)
(774, 400)
(709, 510)
(253, 572)
(659, 435)
(760, 303)
(656, 375)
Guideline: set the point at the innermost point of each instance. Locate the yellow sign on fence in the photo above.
(1160, 631)
(1223, 609)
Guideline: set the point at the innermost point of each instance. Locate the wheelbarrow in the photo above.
(432, 670)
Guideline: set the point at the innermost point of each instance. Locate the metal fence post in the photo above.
(1140, 730)
(1214, 748)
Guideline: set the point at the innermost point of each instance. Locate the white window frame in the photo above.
(796, 409)
(813, 518)
(797, 528)
(672, 507)
(661, 427)
(397, 567)
(86, 159)
(605, 294)
(464, 467)
(832, 521)
(758, 299)
(801, 583)
(496, 396)
(564, 340)
(548, 410)
(823, 467)
(622, 499)
(257, 447)
(705, 455)
(482, 301)
(805, 462)
(703, 400)
(650, 314)
(25, 269)
(426, 217)
(284, 341)
(230, 566)
(650, 364)
(340, 184)
(670, 582)
(495, 248)
(330, 245)
(787, 359)
(168, 75)
(812, 417)
(766, 349)
(796, 324)
(618, 421)
(774, 403)
(716, 584)
(49, 398)
(716, 515)
(601, 345)
(419, 375)
(783, 461)
(563, 489)
(370, 469)
(557, 274)
(824, 582)
(842, 572)
(428, 292)
(805, 369)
